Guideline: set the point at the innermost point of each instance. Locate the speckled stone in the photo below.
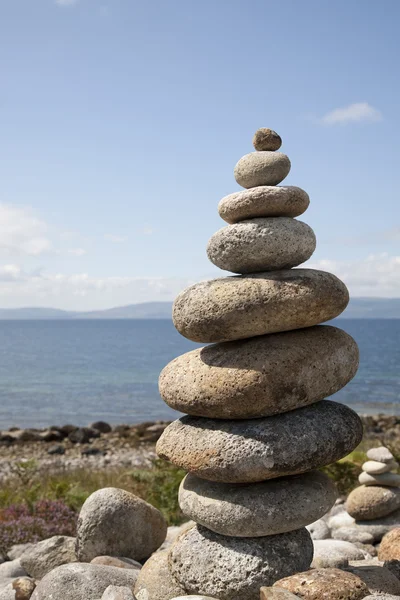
(264, 201)
(233, 308)
(378, 579)
(390, 546)
(353, 535)
(257, 245)
(335, 554)
(204, 562)
(372, 502)
(380, 454)
(155, 581)
(257, 509)
(261, 376)
(374, 467)
(389, 479)
(326, 584)
(260, 449)
(266, 139)
(261, 168)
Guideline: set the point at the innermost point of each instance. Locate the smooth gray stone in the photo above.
(373, 467)
(319, 530)
(380, 454)
(260, 376)
(335, 554)
(266, 139)
(372, 502)
(114, 592)
(259, 449)
(234, 308)
(47, 555)
(204, 562)
(264, 244)
(264, 201)
(353, 535)
(378, 579)
(257, 509)
(385, 479)
(261, 168)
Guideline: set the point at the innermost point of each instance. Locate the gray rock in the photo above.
(275, 593)
(378, 579)
(381, 597)
(389, 479)
(353, 535)
(372, 502)
(204, 562)
(239, 307)
(194, 597)
(264, 201)
(114, 592)
(335, 554)
(393, 566)
(81, 581)
(17, 550)
(341, 519)
(319, 530)
(45, 556)
(379, 527)
(116, 561)
(261, 168)
(266, 139)
(260, 376)
(18, 589)
(117, 523)
(265, 244)
(173, 533)
(373, 467)
(380, 454)
(12, 569)
(258, 509)
(155, 581)
(258, 449)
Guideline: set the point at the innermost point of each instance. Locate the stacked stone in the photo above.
(379, 493)
(257, 423)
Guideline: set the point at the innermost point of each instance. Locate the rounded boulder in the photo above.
(234, 308)
(261, 168)
(259, 245)
(260, 376)
(117, 523)
(260, 449)
(329, 584)
(390, 546)
(372, 502)
(266, 139)
(204, 562)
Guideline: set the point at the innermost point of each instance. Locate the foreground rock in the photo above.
(45, 556)
(21, 588)
(329, 584)
(261, 376)
(378, 579)
(240, 565)
(390, 546)
(264, 244)
(261, 509)
(155, 581)
(115, 522)
(261, 168)
(257, 449)
(264, 201)
(239, 307)
(81, 581)
(114, 592)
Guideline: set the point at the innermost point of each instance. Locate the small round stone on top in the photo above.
(266, 139)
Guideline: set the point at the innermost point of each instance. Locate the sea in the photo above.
(59, 372)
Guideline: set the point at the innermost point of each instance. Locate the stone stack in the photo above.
(258, 425)
(379, 493)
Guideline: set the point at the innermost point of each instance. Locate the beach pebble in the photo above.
(233, 308)
(389, 479)
(379, 527)
(10, 569)
(374, 467)
(329, 584)
(380, 454)
(390, 546)
(319, 530)
(274, 593)
(117, 523)
(264, 201)
(353, 535)
(155, 581)
(21, 588)
(335, 553)
(82, 581)
(114, 561)
(372, 502)
(261, 168)
(340, 519)
(378, 579)
(257, 449)
(47, 555)
(260, 376)
(257, 509)
(265, 244)
(240, 566)
(266, 139)
(114, 592)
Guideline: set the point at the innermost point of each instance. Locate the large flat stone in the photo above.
(204, 562)
(258, 245)
(260, 449)
(257, 509)
(261, 376)
(264, 201)
(233, 308)
(372, 502)
(389, 479)
(261, 168)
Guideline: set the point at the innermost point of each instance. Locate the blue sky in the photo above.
(121, 122)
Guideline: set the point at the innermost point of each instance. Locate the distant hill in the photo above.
(359, 308)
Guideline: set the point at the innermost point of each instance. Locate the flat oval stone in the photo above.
(380, 454)
(228, 568)
(329, 584)
(261, 168)
(390, 479)
(260, 449)
(266, 139)
(264, 201)
(372, 502)
(261, 245)
(260, 376)
(257, 509)
(233, 308)
(373, 467)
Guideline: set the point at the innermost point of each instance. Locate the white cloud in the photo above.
(354, 113)
(21, 233)
(115, 239)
